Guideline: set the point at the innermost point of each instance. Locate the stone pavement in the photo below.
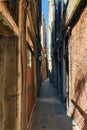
(49, 112)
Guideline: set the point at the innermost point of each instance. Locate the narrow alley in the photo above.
(43, 64)
(50, 113)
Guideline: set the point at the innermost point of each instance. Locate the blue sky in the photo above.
(45, 10)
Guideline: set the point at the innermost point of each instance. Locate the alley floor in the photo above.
(49, 113)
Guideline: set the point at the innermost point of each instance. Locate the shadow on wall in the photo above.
(79, 92)
(85, 125)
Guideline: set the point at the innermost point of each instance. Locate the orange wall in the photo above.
(30, 91)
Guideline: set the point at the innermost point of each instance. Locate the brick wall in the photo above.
(78, 68)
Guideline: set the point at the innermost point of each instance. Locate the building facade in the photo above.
(76, 60)
(19, 49)
(44, 49)
(56, 48)
(69, 56)
(51, 12)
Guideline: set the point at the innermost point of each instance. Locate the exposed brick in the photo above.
(78, 67)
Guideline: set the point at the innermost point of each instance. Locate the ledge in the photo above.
(8, 26)
(76, 13)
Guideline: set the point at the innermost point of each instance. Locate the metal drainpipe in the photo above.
(69, 58)
(69, 91)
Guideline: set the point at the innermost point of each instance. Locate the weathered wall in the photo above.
(13, 63)
(78, 68)
(8, 83)
(1, 82)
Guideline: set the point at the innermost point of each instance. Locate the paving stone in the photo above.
(50, 113)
